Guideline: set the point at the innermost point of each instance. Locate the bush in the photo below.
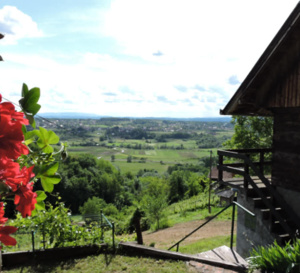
(275, 258)
(92, 206)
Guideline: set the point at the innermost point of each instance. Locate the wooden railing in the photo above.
(245, 167)
(242, 168)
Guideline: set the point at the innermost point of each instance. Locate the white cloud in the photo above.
(203, 44)
(15, 25)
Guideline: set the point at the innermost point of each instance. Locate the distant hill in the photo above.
(71, 115)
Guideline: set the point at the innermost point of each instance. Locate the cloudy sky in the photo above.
(171, 58)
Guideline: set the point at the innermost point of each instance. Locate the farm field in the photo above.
(157, 159)
(153, 144)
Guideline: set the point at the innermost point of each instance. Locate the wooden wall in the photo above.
(286, 92)
(286, 149)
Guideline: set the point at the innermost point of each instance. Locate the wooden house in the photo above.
(272, 88)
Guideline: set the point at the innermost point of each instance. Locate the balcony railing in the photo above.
(248, 169)
(242, 166)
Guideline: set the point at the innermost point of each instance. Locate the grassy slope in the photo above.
(106, 263)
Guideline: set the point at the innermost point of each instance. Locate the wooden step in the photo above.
(276, 227)
(266, 213)
(259, 203)
(223, 253)
(282, 239)
(253, 193)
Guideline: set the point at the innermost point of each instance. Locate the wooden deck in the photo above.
(238, 182)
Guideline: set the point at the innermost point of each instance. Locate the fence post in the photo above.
(32, 239)
(101, 223)
(220, 173)
(113, 235)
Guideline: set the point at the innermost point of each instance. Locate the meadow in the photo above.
(156, 159)
(151, 144)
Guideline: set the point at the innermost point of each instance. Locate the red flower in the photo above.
(21, 178)
(25, 199)
(4, 235)
(11, 135)
(11, 174)
(2, 219)
(5, 231)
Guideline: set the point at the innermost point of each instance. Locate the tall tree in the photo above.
(155, 199)
(251, 132)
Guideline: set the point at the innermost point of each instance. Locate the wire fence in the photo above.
(67, 235)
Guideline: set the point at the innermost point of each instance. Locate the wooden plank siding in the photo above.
(286, 149)
(286, 93)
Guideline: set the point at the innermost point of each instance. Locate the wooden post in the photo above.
(246, 167)
(209, 208)
(220, 173)
(261, 162)
(136, 220)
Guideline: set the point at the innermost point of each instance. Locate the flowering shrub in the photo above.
(21, 166)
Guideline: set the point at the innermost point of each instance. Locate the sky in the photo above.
(137, 58)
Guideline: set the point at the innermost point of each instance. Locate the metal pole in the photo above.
(101, 223)
(232, 225)
(201, 226)
(113, 234)
(32, 239)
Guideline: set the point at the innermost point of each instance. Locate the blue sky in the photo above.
(171, 58)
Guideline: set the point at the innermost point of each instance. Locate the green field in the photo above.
(158, 159)
(159, 144)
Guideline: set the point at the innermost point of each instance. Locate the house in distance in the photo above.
(272, 88)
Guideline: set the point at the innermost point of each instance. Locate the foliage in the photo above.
(56, 228)
(251, 132)
(26, 157)
(155, 200)
(84, 177)
(276, 258)
(208, 141)
(92, 206)
(188, 167)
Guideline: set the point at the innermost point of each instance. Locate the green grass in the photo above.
(108, 263)
(153, 158)
(186, 216)
(135, 167)
(206, 244)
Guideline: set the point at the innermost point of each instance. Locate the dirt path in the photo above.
(166, 237)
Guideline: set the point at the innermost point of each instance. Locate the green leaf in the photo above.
(40, 205)
(24, 130)
(41, 195)
(31, 98)
(33, 109)
(49, 177)
(49, 181)
(24, 90)
(46, 138)
(29, 103)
